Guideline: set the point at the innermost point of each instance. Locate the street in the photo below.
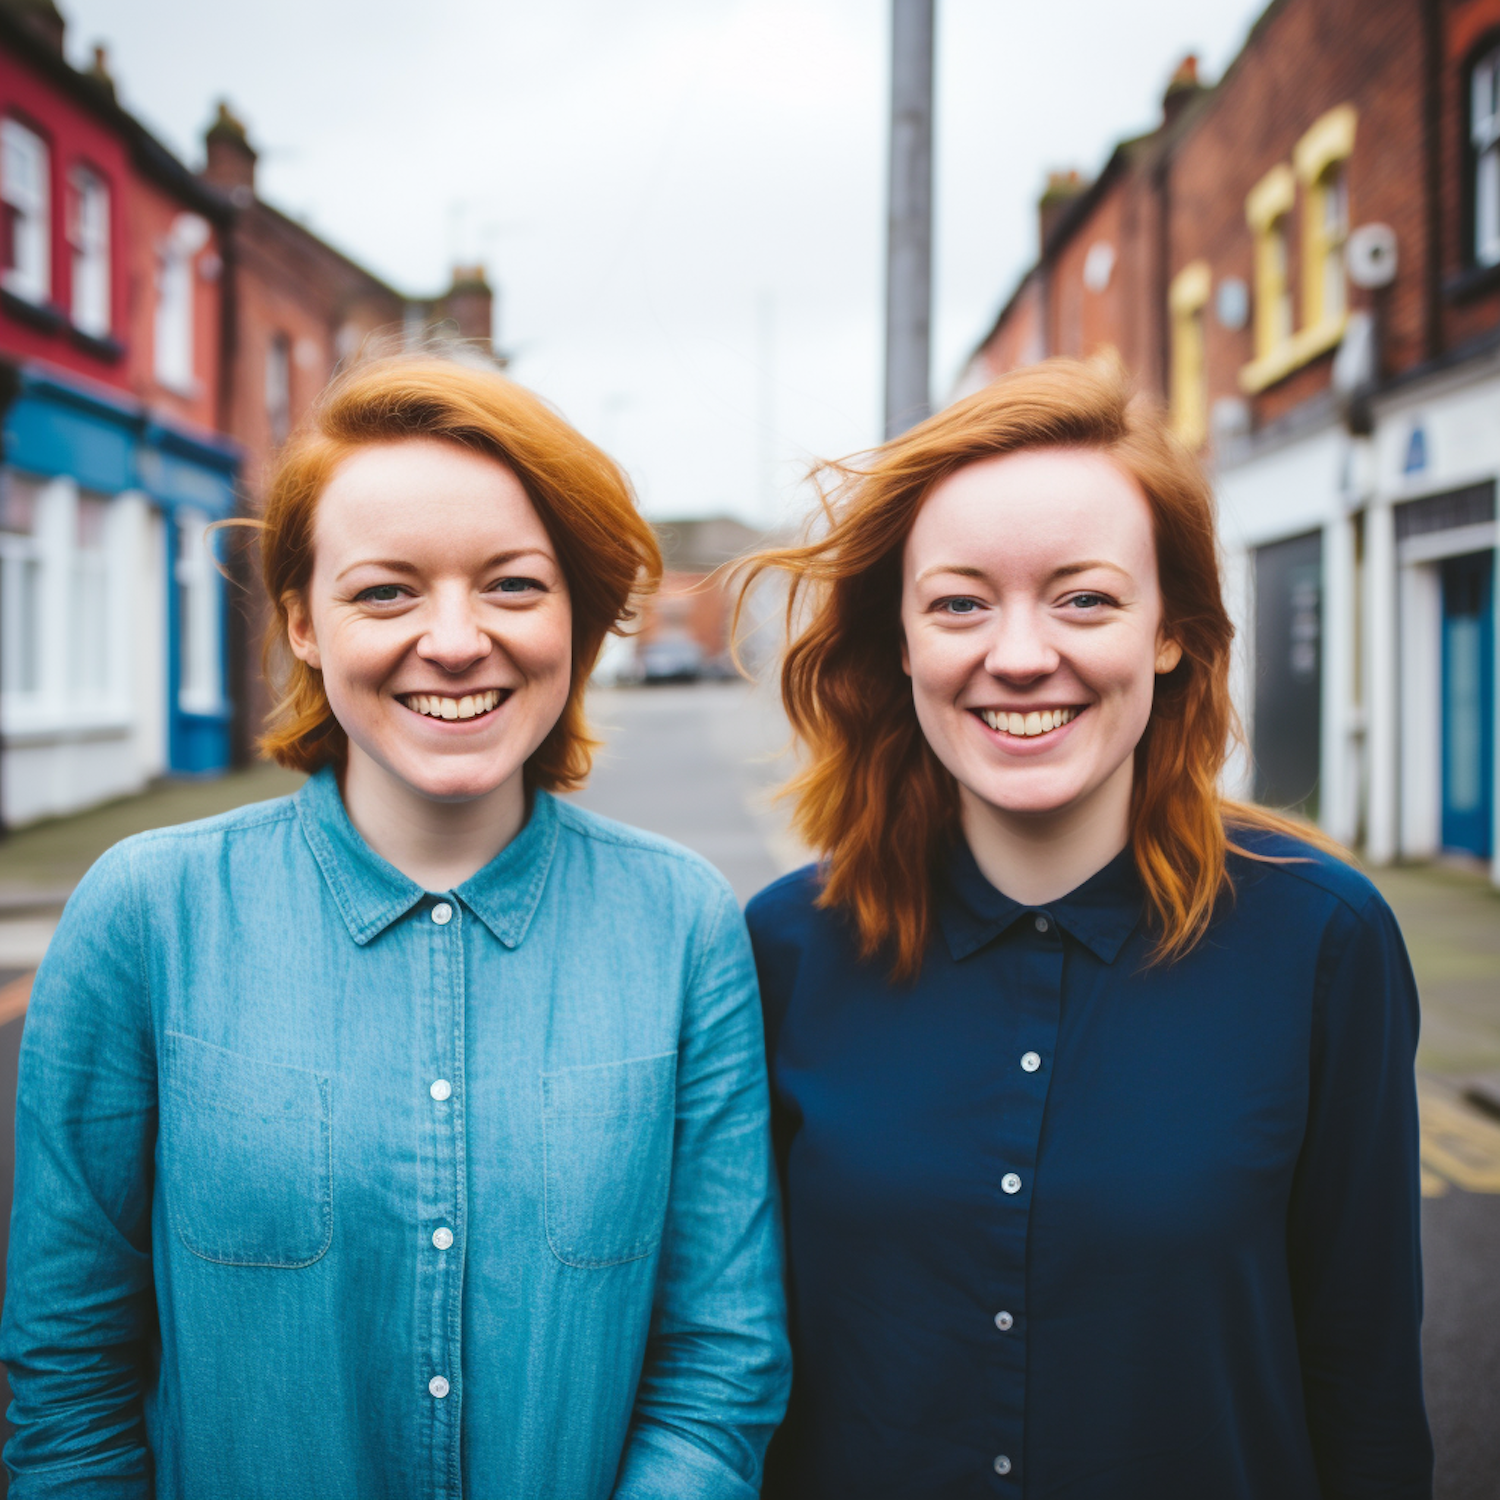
(699, 764)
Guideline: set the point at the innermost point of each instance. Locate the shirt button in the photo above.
(1004, 1322)
(442, 913)
(438, 1386)
(441, 1089)
(1042, 924)
(442, 1238)
(1011, 1183)
(1031, 1061)
(1002, 1465)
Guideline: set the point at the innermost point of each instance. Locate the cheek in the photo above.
(938, 663)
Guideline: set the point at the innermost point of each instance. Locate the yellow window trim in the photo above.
(1328, 139)
(1270, 198)
(1187, 297)
(1302, 348)
(1190, 288)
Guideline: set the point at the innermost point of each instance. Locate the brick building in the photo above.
(1304, 263)
(111, 296)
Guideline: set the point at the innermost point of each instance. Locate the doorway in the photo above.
(1468, 703)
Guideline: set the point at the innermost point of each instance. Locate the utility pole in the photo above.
(908, 284)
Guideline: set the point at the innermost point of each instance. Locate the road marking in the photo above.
(14, 998)
(1458, 1147)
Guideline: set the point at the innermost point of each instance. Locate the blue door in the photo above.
(1469, 703)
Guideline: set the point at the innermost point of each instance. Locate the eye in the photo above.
(515, 585)
(1090, 601)
(380, 593)
(958, 606)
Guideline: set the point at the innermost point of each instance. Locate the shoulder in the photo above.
(786, 904)
(636, 854)
(1294, 868)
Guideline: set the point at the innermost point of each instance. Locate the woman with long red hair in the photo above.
(1092, 1090)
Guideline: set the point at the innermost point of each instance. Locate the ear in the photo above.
(1168, 654)
(905, 656)
(299, 630)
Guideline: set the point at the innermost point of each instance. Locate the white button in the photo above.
(1042, 924)
(441, 1089)
(442, 1238)
(1004, 1322)
(442, 913)
(1031, 1061)
(1002, 1465)
(439, 1388)
(1011, 1183)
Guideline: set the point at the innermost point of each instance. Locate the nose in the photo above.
(1020, 651)
(453, 639)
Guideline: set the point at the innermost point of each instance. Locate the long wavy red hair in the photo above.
(872, 799)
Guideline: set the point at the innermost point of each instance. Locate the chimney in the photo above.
(230, 157)
(469, 303)
(41, 18)
(1183, 88)
(1062, 188)
(99, 71)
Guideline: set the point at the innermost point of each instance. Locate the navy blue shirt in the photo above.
(1061, 1223)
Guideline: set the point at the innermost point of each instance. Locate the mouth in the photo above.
(444, 706)
(1030, 725)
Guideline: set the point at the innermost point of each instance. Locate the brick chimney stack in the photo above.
(42, 19)
(230, 157)
(1183, 88)
(1062, 188)
(469, 303)
(99, 70)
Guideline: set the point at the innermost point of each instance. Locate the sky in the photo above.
(681, 203)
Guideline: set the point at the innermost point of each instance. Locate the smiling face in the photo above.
(1032, 617)
(439, 617)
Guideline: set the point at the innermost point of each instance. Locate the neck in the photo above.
(1035, 858)
(439, 845)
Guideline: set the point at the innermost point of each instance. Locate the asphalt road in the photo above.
(699, 765)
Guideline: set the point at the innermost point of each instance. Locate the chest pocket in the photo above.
(607, 1144)
(247, 1148)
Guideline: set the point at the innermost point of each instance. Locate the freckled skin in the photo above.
(1029, 583)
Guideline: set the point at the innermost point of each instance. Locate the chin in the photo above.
(1017, 798)
(455, 783)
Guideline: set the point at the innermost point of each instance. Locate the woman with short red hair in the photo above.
(407, 1136)
(1093, 1091)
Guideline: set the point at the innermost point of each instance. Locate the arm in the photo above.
(717, 1367)
(1354, 1225)
(79, 1309)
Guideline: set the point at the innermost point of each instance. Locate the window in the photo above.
(198, 651)
(20, 589)
(1484, 134)
(279, 386)
(1186, 300)
(1266, 211)
(25, 235)
(89, 622)
(1319, 160)
(174, 301)
(88, 238)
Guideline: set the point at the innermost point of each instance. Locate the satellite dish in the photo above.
(1370, 256)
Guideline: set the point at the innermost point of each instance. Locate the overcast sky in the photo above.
(680, 202)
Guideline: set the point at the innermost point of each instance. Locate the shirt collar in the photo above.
(371, 894)
(1101, 913)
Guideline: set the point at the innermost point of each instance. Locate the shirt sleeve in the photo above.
(717, 1365)
(1354, 1224)
(80, 1314)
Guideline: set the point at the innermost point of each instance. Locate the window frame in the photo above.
(97, 256)
(37, 290)
(1486, 49)
(1187, 299)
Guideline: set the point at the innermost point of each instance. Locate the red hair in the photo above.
(873, 799)
(606, 550)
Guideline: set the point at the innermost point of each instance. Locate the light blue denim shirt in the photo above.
(330, 1187)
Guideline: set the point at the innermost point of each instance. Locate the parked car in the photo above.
(673, 658)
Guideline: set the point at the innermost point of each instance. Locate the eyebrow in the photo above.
(409, 570)
(1067, 570)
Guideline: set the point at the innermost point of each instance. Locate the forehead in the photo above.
(1041, 506)
(420, 491)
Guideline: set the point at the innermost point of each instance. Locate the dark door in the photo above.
(1469, 703)
(1289, 672)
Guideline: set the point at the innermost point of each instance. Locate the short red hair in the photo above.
(873, 799)
(607, 552)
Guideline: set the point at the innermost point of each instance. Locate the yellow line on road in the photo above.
(1458, 1146)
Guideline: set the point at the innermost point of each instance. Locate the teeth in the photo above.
(1024, 726)
(470, 706)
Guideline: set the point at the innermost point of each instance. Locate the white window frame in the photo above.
(1484, 135)
(26, 193)
(200, 682)
(176, 262)
(88, 236)
(279, 386)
